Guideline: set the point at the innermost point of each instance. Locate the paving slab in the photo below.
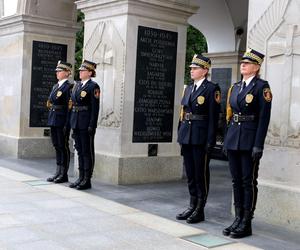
(35, 214)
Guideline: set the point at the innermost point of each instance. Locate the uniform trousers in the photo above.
(244, 172)
(60, 141)
(196, 162)
(84, 144)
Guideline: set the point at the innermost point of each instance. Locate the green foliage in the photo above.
(195, 44)
(79, 44)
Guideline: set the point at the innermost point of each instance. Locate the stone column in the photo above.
(139, 48)
(1, 8)
(37, 31)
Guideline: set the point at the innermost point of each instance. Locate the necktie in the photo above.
(242, 86)
(194, 88)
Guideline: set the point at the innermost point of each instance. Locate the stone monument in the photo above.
(139, 51)
(33, 39)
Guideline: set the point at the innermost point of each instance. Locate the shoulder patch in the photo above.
(97, 93)
(218, 96)
(267, 94)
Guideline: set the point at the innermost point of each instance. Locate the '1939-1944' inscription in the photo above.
(154, 85)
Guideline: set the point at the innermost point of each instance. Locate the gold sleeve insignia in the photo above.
(48, 104)
(70, 104)
(267, 94)
(229, 112)
(218, 96)
(200, 99)
(97, 93)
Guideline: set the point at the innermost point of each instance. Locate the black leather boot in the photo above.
(236, 222)
(79, 180)
(57, 172)
(86, 183)
(198, 214)
(244, 229)
(63, 176)
(188, 212)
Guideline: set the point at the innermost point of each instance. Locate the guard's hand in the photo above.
(65, 130)
(209, 149)
(224, 151)
(73, 135)
(91, 131)
(257, 153)
(181, 150)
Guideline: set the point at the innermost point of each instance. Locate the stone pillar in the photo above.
(35, 30)
(139, 47)
(276, 33)
(1, 8)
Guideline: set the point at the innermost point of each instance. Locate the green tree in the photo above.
(195, 44)
(79, 44)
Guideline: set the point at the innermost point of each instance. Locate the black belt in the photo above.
(80, 108)
(192, 117)
(243, 118)
(58, 107)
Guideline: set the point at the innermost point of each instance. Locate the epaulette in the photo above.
(261, 81)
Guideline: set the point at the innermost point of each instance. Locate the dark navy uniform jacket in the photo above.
(204, 101)
(58, 109)
(85, 98)
(253, 100)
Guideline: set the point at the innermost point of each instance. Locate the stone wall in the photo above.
(274, 29)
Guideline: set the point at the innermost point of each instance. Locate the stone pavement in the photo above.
(38, 215)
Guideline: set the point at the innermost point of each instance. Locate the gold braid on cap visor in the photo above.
(88, 66)
(62, 66)
(201, 62)
(254, 57)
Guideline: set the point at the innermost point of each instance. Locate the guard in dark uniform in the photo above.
(197, 135)
(248, 116)
(84, 116)
(58, 120)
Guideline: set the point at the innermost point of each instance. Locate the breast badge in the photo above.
(59, 93)
(249, 98)
(200, 99)
(83, 94)
(268, 94)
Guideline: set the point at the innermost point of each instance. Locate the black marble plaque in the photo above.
(44, 60)
(222, 76)
(154, 85)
